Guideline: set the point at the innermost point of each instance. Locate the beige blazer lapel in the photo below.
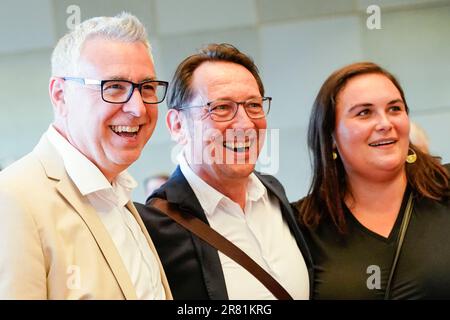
(55, 170)
(136, 215)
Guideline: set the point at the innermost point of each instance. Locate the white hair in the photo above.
(123, 27)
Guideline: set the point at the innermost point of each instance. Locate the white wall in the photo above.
(296, 44)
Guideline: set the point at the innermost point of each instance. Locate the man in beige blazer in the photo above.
(68, 228)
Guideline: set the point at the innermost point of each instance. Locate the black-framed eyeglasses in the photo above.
(120, 91)
(225, 110)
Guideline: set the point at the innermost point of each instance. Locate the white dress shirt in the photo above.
(110, 203)
(260, 231)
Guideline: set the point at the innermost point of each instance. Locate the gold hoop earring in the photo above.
(411, 158)
(334, 155)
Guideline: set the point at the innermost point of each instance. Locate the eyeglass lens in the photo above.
(223, 110)
(117, 91)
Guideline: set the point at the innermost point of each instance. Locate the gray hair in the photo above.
(123, 27)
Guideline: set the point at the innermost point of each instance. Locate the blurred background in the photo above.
(295, 43)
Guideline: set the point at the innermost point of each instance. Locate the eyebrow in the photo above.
(359, 105)
(148, 78)
(127, 79)
(396, 101)
(371, 104)
(227, 98)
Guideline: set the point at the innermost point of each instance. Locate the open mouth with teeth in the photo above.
(382, 143)
(236, 146)
(126, 131)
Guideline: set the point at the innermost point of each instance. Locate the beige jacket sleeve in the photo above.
(22, 266)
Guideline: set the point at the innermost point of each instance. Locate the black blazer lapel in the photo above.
(178, 192)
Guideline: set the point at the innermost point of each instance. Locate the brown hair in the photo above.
(426, 176)
(180, 91)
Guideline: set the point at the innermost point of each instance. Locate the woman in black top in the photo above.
(366, 176)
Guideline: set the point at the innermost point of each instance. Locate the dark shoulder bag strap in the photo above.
(401, 237)
(216, 240)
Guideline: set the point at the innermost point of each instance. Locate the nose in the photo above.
(383, 122)
(135, 105)
(242, 120)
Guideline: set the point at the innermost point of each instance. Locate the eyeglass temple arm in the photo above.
(83, 80)
(188, 107)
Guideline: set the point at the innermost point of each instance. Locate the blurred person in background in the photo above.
(153, 182)
(419, 138)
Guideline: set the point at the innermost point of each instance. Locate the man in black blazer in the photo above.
(216, 182)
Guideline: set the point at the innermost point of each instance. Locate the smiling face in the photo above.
(223, 152)
(372, 127)
(112, 136)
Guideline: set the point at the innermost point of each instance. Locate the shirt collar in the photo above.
(85, 175)
(209, 197)
(255, 188)
(123, 186)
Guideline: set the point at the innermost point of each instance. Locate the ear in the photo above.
(177, 126)
(56, 91)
